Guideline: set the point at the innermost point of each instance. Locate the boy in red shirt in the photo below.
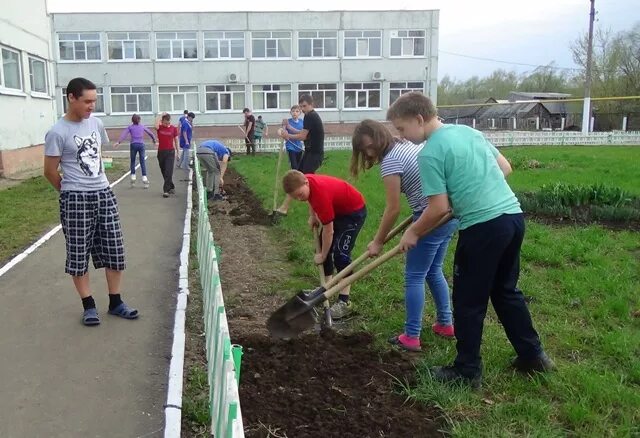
(167, 151)
(341, 210)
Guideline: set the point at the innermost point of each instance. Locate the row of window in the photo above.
(11, 72)
(356, 95)
(136, 46)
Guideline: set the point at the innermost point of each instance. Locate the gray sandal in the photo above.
(90, 317)
(124, 311)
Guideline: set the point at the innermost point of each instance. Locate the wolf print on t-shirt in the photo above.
(88, 154)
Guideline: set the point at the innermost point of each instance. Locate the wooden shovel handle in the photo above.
(318, 245)
(346, 271)
(275, 189)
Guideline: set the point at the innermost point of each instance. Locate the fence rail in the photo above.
(223, 358)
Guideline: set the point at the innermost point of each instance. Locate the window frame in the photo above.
(129, 39)
(177, 93)
(3, 87)
(402, 38)
(299, 39)
(35, 93)
(368, 38)
(358, 90)
(225, 92)
(310, 91)
(224, 38)
(171, 46)
(99, 92)
(405, 89)
(74, 60)
(137, 111)
(267, 58)
(265, 92)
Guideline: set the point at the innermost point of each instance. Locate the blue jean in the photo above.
(424, 261)
(137, 149)
(184, 159)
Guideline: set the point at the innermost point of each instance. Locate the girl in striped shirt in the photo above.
(373, 144)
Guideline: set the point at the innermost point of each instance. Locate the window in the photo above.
(128, 46)
(130, 99)
(323, 44)
(362, 95)
(79, 46)
(324, 95)
(11, 75)
(362, 43)
(272, 97)
(271, 44)
(176, 45)
(99, 102)
(396, 89)
(223, 45)
(178, 98)
(408, 43)
(224, 97)
(38, 75)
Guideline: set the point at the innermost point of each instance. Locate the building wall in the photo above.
(26, 115)
(249, 71)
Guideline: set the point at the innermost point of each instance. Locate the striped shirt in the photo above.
(402, 160)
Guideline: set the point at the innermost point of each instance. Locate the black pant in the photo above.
(487, 265)
(345, 232)
(294, 159)
(310, 162)
(250, 144)
(166, 160)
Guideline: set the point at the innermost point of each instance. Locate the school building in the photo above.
(216, 63)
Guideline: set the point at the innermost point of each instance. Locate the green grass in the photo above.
(584, 281)
(29, 209)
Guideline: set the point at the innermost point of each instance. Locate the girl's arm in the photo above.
(149, 133)
(123, 134)
(390, 215)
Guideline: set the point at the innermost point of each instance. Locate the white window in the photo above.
(396, 89)
(79, 46)
(38, 75)
(128, 46)
(321, 44)
(271, 45)
(223, 45)
(273, 96)
(362, 95)
(176, 45)
(178, 98)
(324, 95)
(99, 108)
(224, 97)
(408, 43)
(130, 99)
(11, 74)
(362, 43)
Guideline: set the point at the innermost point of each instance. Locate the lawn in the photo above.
(29, 209)
(584, 282)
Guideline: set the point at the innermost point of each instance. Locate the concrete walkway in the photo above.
(61, 379)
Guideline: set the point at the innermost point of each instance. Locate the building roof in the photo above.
(524, 95)
(508, 111)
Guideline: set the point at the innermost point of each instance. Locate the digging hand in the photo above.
(318, 259)
(374, 248)
(409, 240)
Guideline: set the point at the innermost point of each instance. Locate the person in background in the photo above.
(167, 152)
(249, 129)
(186, 133)
(136, 131)
(214, 156)
(262, 129)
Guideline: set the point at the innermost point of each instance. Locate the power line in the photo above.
(462, 55)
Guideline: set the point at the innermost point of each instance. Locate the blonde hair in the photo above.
(410, 105)
(381, 142)
(293, 180)
(295, 107)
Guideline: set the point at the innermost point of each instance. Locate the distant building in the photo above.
(27, 106)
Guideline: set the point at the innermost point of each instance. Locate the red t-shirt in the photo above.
(166, 134)
(331, 197)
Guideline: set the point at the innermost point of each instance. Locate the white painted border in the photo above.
(173, 406)
(23, 255)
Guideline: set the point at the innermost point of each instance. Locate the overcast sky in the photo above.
(515, 31)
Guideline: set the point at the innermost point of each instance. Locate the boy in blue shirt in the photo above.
(460, 169)
(293, 125)
(186, 132)
(214, 157)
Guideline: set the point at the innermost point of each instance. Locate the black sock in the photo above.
(114, 301)
(88, 303)
(344, 298)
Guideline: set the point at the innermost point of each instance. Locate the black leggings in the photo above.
(345, 232)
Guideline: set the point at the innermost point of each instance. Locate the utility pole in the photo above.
(586, 108)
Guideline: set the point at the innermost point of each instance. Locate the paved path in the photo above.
(61, 379)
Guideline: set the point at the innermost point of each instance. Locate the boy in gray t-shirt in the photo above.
(88, 208)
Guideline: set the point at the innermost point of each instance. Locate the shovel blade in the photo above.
(281, 327)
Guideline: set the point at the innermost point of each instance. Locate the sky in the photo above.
(512, 31)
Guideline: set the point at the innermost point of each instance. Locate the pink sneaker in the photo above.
(446, 331)
(405, 342)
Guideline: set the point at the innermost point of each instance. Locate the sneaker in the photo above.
(133, 180)
(540, 364)
(218, 197)
(145, 181)
(172, 191)
(340, 309)
(407, 343)
(446, 331)
(451, 374)
(165, 195)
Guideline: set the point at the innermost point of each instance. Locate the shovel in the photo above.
(275, 214)
(327, 321)
(296, 315)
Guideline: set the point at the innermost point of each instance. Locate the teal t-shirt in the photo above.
(459, 161)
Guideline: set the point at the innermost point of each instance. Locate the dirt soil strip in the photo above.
(333, 385)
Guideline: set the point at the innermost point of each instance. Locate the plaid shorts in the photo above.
(91, 226)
